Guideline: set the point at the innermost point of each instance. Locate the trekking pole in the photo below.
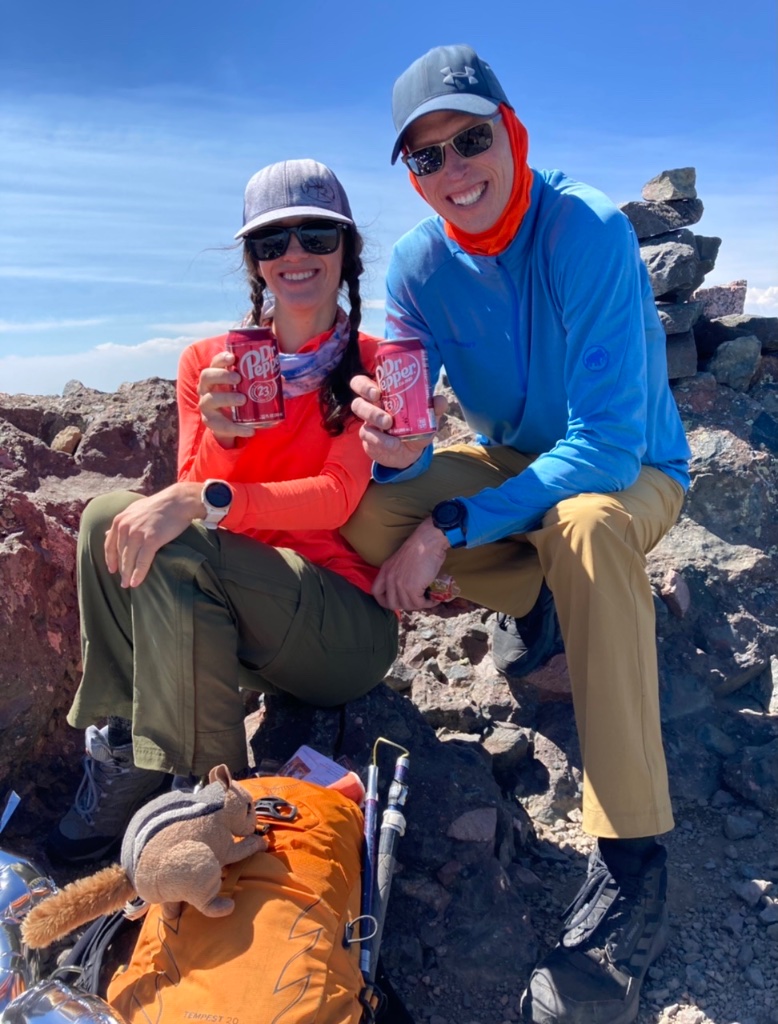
(369, 867)
(392, 828)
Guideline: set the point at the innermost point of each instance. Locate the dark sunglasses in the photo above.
(320, 237)
(470, 142)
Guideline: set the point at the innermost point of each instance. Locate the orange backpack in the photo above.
(282, 956)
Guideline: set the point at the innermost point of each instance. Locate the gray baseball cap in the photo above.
(293, 188)
(446, 78)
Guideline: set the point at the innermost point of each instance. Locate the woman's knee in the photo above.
(98, 515)
(101, 511)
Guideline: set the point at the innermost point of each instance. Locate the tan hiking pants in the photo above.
(591, 550)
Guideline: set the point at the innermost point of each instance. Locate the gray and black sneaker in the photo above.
(519, 646)
(111, 790)
(612, 933)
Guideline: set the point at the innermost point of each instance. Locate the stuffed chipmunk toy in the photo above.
(173, 851)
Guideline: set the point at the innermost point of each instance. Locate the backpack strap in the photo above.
(86, 958)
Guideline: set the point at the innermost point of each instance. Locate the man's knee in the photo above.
(380, 524)
(589, 519)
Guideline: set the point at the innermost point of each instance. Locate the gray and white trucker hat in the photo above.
(293, 188)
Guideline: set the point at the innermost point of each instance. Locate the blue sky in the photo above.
(128, 131)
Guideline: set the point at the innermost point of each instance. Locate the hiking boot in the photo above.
(187, 783)
(111, 790)
(612, 933)
(519, 646)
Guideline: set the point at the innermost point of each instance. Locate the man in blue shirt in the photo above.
(529, 288)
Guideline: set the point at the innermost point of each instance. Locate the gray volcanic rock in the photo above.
(678, 317)
(708, 248)
(650, 219)
(753, 773)
(709, 334)
(725, 547)
(681, 356)
(735, 362)
(672, 262)
(678, 183)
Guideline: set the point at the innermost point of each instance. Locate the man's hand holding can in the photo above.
(381, 446)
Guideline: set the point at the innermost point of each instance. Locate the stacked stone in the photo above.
(731, 347)
(676, 258)
(706, 328)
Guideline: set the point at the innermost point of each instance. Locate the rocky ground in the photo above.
(721, 966)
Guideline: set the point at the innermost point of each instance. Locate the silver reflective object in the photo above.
(22, 885)
(54, 1002)
(18, 965)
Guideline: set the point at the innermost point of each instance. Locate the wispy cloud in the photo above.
(88, 276)
(196, 328)
(7, 326)
(104, 367)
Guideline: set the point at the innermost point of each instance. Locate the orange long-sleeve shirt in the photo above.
(294, 485)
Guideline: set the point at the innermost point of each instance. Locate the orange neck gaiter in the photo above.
(498, 237)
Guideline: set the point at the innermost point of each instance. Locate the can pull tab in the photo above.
(276, 808)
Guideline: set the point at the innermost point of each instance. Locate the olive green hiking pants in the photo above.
(217, 611)
(591, 550)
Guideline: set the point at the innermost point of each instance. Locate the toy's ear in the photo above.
(221, 773)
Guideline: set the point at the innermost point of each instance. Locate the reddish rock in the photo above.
(722, 299)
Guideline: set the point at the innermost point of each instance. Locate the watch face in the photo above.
(447, 513)
(218, 494)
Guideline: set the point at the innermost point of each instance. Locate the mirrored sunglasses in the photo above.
(470, 142)
(320, 237)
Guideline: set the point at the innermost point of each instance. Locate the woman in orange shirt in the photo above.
(236, 575)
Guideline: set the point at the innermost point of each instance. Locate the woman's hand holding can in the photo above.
(218, 398)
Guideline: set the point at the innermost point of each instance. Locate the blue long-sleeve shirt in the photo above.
(554, 348)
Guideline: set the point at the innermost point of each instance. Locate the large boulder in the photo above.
(56, 454)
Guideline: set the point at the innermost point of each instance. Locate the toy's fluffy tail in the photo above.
(79, 902)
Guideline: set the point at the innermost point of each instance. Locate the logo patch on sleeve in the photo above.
(596, 358)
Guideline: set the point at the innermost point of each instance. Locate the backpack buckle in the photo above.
(275, 807)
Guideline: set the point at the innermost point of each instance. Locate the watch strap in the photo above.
(456, 537)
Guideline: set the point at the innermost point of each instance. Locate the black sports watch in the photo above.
(451, 517)
(216, 495)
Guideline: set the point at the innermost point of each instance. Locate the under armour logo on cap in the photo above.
(446, 78)
(450, 77)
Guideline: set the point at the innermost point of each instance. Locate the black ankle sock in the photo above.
(119, 731)
(627, 856)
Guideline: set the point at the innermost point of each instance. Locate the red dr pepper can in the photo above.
(403, 375)
(256, 360)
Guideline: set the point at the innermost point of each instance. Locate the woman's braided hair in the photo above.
(335, 393)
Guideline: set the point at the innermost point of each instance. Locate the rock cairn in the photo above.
(706, 328)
